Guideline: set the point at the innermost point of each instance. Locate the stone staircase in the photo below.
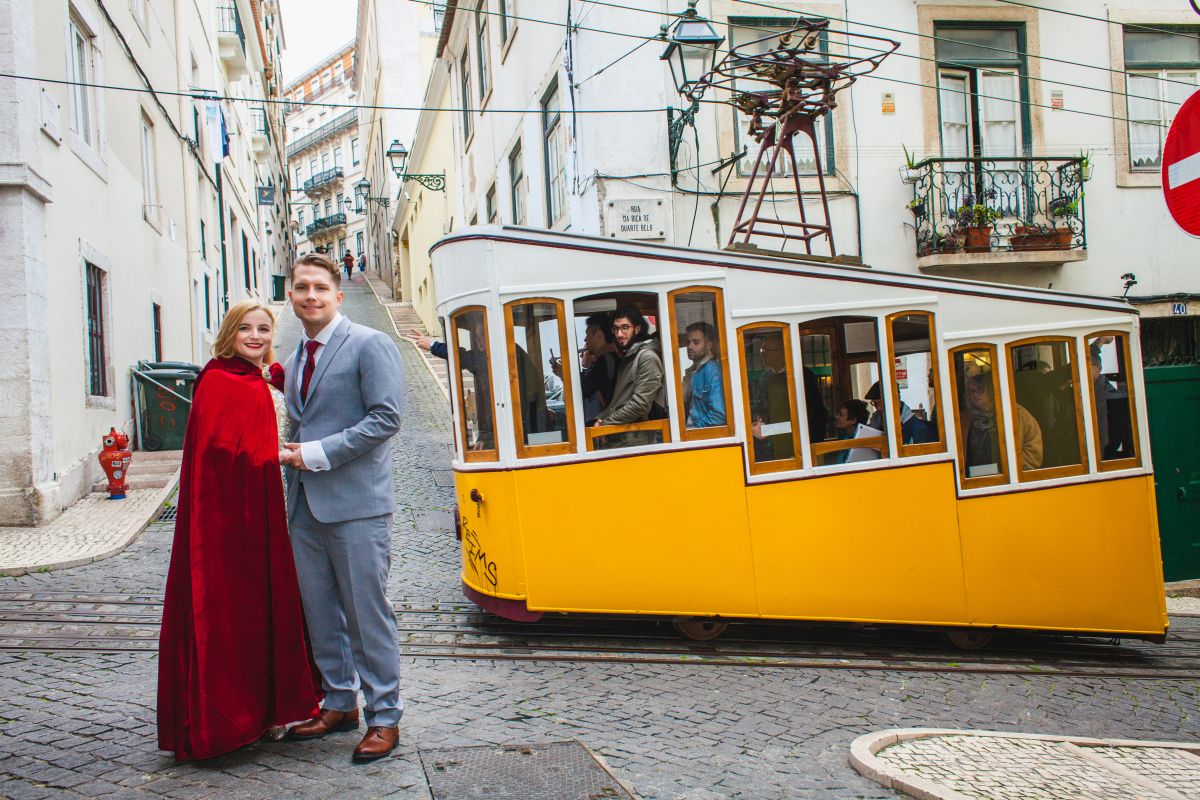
(407, 320)
(149, 470)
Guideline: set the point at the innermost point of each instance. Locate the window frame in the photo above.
(468, 455)
(1161, 72)
(516, 182)
(927, 448)
(1047, 473)
(83, 98)
(779, 465)
(96, 330)
(150, 203)
(552, 130)
(687, 434)
(464, 91)
(490, 205)
(482, 53)
(536, 450)
(1134, 461)
(1002, 477)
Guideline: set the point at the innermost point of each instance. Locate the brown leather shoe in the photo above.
(378, 742)
(328, 721)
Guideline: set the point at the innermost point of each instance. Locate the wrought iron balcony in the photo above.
(336, 125)
(260, 133)
(1022, 206)
(231, 38)
(322, 180)
(325, 224)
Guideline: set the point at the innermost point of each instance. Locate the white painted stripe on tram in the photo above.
(889, 302)
(1086, 325)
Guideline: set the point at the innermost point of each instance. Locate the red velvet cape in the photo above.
(233, 653)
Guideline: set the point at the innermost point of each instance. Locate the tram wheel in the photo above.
(970, 638)
(699, 629)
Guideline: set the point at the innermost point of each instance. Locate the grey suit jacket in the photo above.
(353, 409)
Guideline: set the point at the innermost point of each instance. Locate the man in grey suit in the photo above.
(344, 387)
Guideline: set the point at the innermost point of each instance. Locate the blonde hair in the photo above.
(318, 260)
(223, 347)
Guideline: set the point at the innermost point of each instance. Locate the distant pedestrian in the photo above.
(362, 263)
(348, 263)
(233, 661)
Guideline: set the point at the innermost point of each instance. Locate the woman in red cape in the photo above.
(233, 652)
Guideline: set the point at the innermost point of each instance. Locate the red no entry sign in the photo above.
(1181, 166)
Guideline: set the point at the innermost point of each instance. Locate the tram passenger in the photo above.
(982, 436)
(638, 394)
(769, 403)
(852, 414)
(474, 361)
(913, 429)
(703, 389)
(598, 366)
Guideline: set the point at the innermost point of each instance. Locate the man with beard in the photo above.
(637, 395)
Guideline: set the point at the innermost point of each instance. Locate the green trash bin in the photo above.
(164, 399)
(279, 288)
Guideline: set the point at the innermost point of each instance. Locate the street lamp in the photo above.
(362, 193)
(398, 156)
(691, 49)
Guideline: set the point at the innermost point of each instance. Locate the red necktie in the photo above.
(309, 365)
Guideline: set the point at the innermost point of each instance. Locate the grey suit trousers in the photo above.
(344, 565)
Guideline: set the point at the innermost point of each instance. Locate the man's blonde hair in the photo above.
(224, 346)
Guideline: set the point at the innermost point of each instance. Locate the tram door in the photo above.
(1172, 397)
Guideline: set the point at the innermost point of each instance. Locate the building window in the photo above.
(138, 8)
(207, 303)
(982, 458)
(554, 145)
(156, 321)
(324, 161)
(516, 174)
(770, 397)
(482, 53)
(358, 242)
(245, 262)
(980, 91)
(1047, 418)
(300, 216)
(97, 352)
(493, 212)
(1113, 417)
(844, 390)
(1163, 69)
(338, 75)
(464, 92)
(702, 394)
(766, 31)
(149, 177)
(203, 241)
(83, 98)
(337, 156)
(354, 159)
(469, 342)
(506, 12)
(299, 176)
(915, 390)
(537, 330)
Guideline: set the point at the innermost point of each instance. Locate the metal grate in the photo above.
(552, 771)
(167, 514)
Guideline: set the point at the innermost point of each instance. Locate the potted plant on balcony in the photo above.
(974, 221)
(1063, 208)
(1033, 237)
(909, 172)
(917, 207)
(1085, 165)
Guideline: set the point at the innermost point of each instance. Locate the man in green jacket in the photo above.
(638, 395)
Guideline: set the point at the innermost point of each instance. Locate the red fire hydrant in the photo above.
(114, 460)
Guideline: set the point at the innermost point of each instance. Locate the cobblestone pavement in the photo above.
(84, 724)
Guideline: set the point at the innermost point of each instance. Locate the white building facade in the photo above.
(562, 123)
(325, 157)
(112, 215)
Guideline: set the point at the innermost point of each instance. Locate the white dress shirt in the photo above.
(312, 452)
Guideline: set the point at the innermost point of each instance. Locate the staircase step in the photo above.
(157, 457)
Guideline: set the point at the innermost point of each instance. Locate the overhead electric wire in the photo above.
(1136, 25)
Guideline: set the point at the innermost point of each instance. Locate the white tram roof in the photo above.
(479, 264)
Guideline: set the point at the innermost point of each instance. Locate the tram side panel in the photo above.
(1082, 557)
(655, 534)
(492, 563)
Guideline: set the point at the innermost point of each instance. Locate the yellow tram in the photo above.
(1015, 492)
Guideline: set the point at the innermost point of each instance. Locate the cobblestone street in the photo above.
(83, 724)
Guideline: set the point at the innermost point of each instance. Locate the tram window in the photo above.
(981, 455)
(469, 335)
(632, 403)
(537, 336)
(1112, 401)
(770, 397)
(915, 383)
(841, 361)
(702, 395)
(1045, 393)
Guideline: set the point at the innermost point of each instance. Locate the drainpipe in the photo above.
(221, 220)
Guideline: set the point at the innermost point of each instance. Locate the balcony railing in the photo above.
(979, 205)
(328, 129)
(258, 122)
(229, 20)
(324, 223)
(322, 179)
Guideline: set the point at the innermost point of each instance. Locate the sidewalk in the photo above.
(935, 764)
